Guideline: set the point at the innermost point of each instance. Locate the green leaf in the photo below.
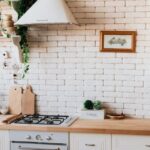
(21, 7)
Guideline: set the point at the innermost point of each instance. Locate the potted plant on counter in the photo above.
(92, 110)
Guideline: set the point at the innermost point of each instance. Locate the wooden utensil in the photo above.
(28, 101)
(115, 116)
(15, 95)
(12, 118)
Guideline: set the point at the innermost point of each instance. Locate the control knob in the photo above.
(48, 138)
(38, 137)
(28, 137)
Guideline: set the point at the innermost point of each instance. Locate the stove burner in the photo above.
(41, 119)
(50, 122)
(28, 120)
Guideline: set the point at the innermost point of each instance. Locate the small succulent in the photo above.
(97, 105)
(88, 104)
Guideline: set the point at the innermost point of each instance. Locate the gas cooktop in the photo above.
(55, 120)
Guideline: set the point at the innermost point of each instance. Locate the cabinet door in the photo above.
(4, 140)
(90, 142)
(127, 142)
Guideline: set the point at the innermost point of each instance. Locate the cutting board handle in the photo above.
(17, 88)
(28, 87)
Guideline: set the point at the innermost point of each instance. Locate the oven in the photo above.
(21, 140)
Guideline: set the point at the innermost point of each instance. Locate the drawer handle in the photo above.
(147, 145)
(92, 145)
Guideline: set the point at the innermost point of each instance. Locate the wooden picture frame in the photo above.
(118, 41)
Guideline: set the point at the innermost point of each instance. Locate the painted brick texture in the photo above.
(67, 68)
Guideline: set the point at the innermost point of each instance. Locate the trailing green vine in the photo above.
(21, 7)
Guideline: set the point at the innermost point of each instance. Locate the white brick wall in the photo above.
(67, 68)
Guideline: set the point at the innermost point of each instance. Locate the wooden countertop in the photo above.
(126, 126)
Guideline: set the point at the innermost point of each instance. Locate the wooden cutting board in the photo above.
(28, 101)
(15, 96)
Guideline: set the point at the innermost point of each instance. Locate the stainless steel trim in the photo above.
(29, 148)
(92, 145)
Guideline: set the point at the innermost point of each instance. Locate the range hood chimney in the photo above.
(48, 12)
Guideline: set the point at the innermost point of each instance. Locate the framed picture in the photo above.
(118, 41)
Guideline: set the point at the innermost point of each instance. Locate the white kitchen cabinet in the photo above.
(4, 140)
(130, 142)
(90, 141)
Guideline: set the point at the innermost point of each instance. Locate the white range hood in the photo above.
(48, 12)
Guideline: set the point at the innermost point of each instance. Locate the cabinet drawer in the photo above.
(90, 142)
(127, 142)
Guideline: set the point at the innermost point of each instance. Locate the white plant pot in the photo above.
(17, 52)
(93, 114)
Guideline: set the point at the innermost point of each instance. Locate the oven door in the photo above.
(36, 146)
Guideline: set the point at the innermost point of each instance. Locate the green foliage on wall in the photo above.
(22, 7)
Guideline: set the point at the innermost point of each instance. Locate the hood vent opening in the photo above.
(48, 12)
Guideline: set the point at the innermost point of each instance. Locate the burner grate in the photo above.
(42, 119)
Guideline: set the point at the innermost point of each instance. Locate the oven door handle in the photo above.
(29, 148)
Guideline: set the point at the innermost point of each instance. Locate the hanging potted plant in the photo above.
(92, 110)
(15, 4)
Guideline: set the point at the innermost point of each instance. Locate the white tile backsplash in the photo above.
(67, 68)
